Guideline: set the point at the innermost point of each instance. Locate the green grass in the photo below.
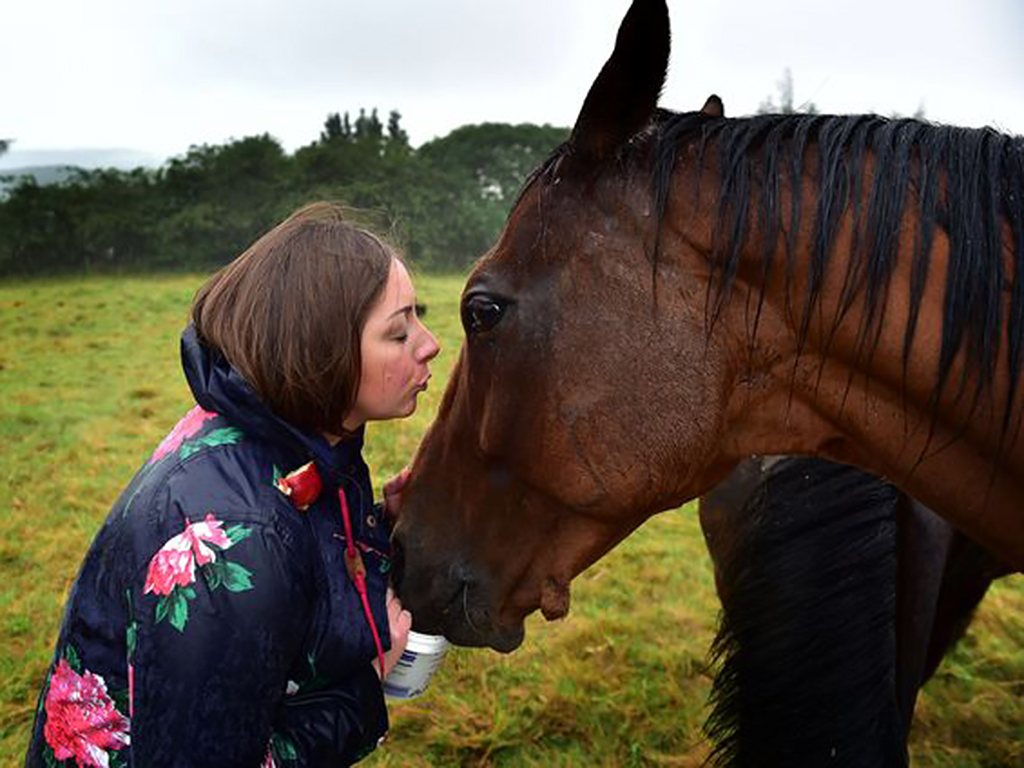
(89, 383)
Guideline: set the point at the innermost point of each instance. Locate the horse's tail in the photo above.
(806, 646)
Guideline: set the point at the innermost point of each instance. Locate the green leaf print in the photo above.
(214, 574)
(314, 682)
(222, 436)
(283, 749)
(178, 610)
(120, 699)
(131, 634)
(237, 578)
(72, 658)
(161, 608)
(174, 607)
(236, 533)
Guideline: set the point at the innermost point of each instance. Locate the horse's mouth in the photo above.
(501, 639)
(448, 598)
(467, 622)
(474, 627)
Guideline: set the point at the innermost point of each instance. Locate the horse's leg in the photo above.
(721, 514)
(968, 572)
(805, 560)
(922, 548)
(942, 576)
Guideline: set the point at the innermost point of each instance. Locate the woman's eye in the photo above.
(481, 313)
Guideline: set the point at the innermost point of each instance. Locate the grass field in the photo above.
(89, 383)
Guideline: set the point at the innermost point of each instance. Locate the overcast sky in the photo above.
(157, 76)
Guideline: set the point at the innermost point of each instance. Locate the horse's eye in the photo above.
(481, 312)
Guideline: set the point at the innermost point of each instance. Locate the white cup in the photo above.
(420, 659)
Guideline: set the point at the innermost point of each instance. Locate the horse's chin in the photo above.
(501, 639)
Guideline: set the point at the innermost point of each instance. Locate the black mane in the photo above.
(969, 183)
(806, 646)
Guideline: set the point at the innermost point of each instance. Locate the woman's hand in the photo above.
(393, 493)
(400, 622)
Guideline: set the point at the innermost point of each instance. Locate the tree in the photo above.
(218, 199)
(786, 105)
(396, 133)
(352, 155)
(468, 181)
(4, 144)
(919, 113)
(444, 202)
(333, 129)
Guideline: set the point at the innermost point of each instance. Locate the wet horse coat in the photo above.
(675, 292)
(840, 596)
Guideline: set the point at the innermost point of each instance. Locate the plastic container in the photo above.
(420, 659)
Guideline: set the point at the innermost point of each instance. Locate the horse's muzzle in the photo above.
(448, 598)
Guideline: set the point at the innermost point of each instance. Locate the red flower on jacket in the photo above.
(81, 719)
(183, 430)
(175, 564)
(302, 485)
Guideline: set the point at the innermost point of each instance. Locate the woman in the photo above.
(233, 610)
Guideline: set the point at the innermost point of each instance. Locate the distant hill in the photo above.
(82, 157)
(44, 174)
(52, 166)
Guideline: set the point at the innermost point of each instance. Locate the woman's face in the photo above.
(396, 349)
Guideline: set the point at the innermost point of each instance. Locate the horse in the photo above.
(674, 292)
(840, 596)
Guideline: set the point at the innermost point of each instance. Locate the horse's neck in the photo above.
(836, 396)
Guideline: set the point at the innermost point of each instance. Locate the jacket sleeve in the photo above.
(332, 726)
(218, 625)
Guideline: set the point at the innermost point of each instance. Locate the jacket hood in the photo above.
(218, 387)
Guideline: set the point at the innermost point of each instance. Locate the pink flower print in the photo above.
(211, 530)
(175, 564)
(172, 570)
(182, 431)
(81, 719)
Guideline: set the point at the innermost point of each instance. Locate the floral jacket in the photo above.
(213, 623)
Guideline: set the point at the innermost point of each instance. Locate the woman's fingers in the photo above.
(403, 624)
(393, 492)
(399, 622)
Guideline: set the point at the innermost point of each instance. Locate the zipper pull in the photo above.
(354, 566)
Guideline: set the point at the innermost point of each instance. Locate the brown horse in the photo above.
(840, 596)
(675, 292)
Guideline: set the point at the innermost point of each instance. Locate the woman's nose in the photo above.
(430, 347)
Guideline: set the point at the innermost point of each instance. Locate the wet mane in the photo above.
(968, 183)
(806, 646)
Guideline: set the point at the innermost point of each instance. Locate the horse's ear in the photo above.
(713, 107)
(625, 94)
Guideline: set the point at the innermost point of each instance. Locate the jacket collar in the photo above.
(218, 387)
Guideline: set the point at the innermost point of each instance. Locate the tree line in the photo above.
(442, 203)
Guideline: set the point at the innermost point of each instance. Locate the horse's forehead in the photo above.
(556, 223)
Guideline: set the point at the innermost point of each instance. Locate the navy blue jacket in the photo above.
(213, 623)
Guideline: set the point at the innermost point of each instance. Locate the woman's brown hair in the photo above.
(288, 313)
